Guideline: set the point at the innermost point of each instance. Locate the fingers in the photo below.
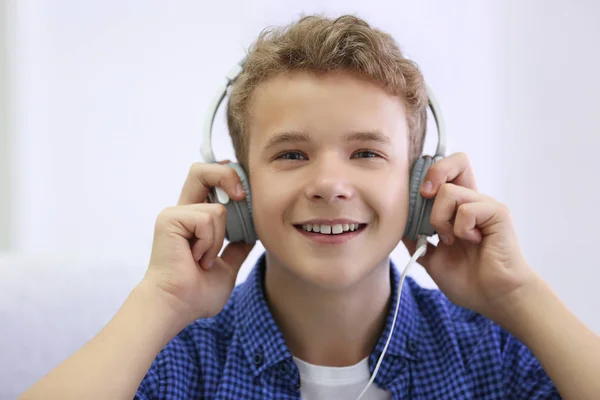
(449, 199)
(462, 213)
(219, 215)
(455, 168)
(203, 225)
(199, 248)
(479, 219)
(465, 226)
(203, 176)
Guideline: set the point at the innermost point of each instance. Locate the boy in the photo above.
(327, 118)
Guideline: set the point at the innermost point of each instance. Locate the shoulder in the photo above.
(477, 348)
(453, 330)
(468, 330)
(439, 316)
(194, 358)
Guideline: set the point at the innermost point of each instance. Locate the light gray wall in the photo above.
(5, 161)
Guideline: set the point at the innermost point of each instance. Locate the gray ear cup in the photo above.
(419, 209)
(240, 225)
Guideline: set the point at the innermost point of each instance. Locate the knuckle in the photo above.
(231, 174)
(463, 157)
(463, 210)
(166, 214)
(165, 217)
(445, 190)
(206, 219)
(220, 211)
(196, 168)
(229, 177)
(503, 209)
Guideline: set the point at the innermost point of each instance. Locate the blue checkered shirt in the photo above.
(438, 351)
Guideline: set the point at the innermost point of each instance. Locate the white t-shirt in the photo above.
(332, 383)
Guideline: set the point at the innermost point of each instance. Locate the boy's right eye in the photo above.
(291, 155)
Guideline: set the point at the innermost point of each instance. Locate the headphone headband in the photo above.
(207, 150)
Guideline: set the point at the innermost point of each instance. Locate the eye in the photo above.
(291, 155)
(365, 154)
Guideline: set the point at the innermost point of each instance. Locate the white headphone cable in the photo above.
(421, 251)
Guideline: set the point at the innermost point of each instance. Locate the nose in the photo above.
(329, 182)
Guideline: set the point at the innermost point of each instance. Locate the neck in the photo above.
(329, 327)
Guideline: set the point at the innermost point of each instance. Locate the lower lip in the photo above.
(331, 239)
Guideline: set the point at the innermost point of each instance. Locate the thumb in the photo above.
(235, 254)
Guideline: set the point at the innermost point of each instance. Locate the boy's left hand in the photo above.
(478, 263)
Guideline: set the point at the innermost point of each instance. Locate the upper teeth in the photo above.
(330, 229)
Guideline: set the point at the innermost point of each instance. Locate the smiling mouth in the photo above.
(337, 229)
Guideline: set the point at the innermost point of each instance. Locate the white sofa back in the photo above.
(49, 307)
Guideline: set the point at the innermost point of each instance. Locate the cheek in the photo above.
(391, 202)
(270, 200)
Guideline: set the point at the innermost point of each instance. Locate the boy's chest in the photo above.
(403, 380)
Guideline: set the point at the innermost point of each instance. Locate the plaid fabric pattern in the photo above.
(438, 351)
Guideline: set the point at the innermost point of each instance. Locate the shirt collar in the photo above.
(264, 345)
(261, 339)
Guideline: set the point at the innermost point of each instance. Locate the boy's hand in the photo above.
(185, 268)
(478, 263)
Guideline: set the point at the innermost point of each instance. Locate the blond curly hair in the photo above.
(319, 44)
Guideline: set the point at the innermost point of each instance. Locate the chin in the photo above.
(337, 270)
(331, 274)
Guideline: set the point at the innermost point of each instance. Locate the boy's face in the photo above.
(331, 151)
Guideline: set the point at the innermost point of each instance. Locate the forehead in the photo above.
(323, 104)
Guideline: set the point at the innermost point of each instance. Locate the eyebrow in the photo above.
(299, 137)
(369, 136)
(286, 137)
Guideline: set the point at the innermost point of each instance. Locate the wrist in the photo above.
(171, 313)
(519, 313)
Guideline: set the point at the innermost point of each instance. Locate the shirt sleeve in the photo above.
(524, 376)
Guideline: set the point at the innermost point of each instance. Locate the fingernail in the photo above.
(444, 239)
(211, 264)
(240, 189)
(428, 186)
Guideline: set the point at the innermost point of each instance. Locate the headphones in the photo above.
(239, 223)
